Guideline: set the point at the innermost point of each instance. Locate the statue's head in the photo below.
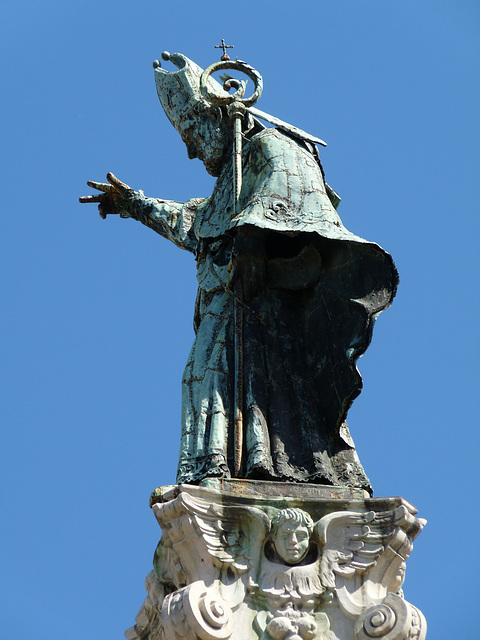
(203, 127)
(291, 533)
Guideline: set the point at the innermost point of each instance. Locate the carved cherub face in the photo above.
(292, 542)
(291, 533)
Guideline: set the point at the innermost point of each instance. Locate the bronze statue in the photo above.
(287, 297)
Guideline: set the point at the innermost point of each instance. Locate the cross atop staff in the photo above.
(224, 47)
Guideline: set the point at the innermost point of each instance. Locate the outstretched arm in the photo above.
(172, 220)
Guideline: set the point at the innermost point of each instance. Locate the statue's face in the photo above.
(207, 138)
(292, 541)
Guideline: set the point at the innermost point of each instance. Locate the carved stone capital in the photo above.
(238, 565)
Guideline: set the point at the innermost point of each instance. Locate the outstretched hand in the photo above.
(112, 198)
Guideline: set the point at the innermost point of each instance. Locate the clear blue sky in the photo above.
(97, 319)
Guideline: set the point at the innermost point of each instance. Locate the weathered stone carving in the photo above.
(236, 567)
(394, 619)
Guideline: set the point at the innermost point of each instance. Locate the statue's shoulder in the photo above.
(272, 136)
(275, 146)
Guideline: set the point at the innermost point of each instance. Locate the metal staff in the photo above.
(236, 108)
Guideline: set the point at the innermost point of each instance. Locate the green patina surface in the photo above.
(310, 293)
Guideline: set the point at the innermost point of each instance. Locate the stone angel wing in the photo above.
(354, 543)
(232, 536)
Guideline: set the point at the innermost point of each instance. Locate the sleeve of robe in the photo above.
(172, 220)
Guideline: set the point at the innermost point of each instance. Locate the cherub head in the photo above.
(291, 533)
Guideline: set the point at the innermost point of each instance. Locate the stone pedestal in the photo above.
(248, 560)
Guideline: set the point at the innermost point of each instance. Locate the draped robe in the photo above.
(302, 334)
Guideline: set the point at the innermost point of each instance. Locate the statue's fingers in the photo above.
(100, 186)
(113, 180)
(86, 199)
